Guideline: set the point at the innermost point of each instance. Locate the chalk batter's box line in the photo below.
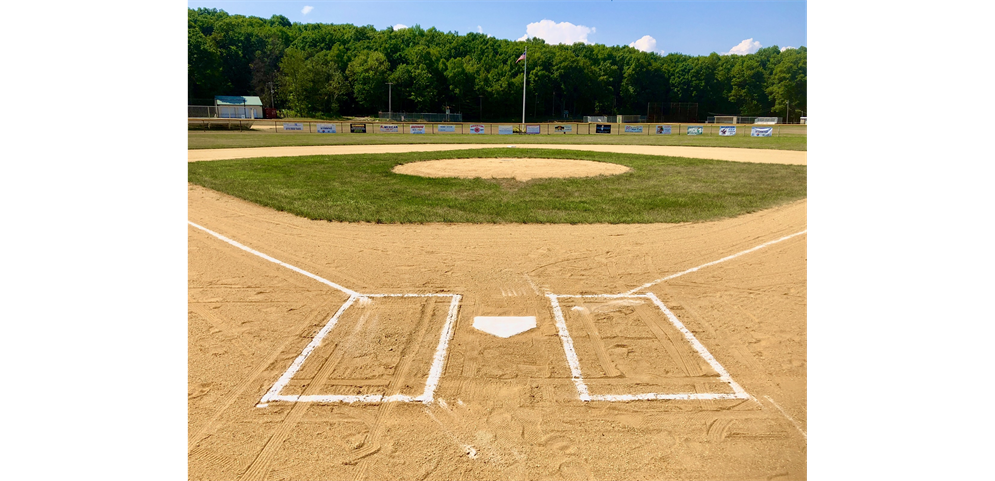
(578, 378)
(434, 374)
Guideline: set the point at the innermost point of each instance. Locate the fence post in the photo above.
(309, 128)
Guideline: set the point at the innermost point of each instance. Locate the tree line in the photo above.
(327, 70)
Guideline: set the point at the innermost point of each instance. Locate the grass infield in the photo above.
(362, 188)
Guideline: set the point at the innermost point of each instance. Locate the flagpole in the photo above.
(524, 77)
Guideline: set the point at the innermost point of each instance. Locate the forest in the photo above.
(333, 70)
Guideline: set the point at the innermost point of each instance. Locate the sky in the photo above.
(689, 27)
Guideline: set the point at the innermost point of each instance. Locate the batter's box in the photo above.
(376, 348)
(630, 347)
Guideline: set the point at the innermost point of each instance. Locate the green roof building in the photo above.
(238, 107)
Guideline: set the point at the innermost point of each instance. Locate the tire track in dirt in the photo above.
(322, 311)
(261, 464)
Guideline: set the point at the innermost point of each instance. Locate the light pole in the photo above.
(390, 98)
(481, 107)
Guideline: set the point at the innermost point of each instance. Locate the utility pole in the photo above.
(390, 98)
(787, 112)
(271, 95)
(481, 107)
(524, 78)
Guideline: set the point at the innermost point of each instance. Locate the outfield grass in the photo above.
(362, 188)
(220, 140)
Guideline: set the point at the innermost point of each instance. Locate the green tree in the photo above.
(368, 74)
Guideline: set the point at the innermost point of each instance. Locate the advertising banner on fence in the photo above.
(326, 128)
(696, 129)
(477, 129)
(762, 131)
(447, 128)
(357, 128)
(416, 129)
(296, 126)
(727, 130)
(505, 130)
(562, 129)
(603, 129)
(532, 129)
(663, 129)
(633, 129)
(388, 129)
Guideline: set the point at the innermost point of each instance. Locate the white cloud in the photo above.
(745, 47)
(480, 29)
(556, 33)
(400, 26)
(307, 9)
(645, 44)
(785, 48)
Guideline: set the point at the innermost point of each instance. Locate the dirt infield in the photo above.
(518, 169)
(503, 408)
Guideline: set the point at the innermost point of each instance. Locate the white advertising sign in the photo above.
(663, 129)
(476, 129)
(447, 128)
(560, 129)
(762, 131)
(505, 130)
(727, 131)
(531, 129)
(326, 128)
(416, 129)
(388, 129)
(633, 129)
(294, 126)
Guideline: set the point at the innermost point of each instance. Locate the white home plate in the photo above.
(504, 326)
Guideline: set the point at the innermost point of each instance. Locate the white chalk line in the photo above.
(276, 261)
(799, 428)
(568, 349)
(439, 358)
(693, 269)
(438, 361)
(574, 362)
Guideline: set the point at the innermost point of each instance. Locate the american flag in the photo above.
(520, 58)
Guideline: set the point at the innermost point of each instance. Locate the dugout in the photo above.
(238, 107)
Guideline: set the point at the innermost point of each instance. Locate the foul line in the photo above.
(799, 428)
(277, 261)
(761, 246)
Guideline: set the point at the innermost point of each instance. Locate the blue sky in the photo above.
(690, 27)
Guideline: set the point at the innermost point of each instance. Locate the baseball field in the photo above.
(653, 301)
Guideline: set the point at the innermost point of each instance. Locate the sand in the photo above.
(521, 169)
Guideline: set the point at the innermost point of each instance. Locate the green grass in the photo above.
(220, 140)
(362, 188)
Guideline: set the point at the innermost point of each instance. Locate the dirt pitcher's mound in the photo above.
(519, 169)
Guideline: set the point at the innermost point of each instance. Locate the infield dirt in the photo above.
(504, 408)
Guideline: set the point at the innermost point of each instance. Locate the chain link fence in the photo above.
(419, 117)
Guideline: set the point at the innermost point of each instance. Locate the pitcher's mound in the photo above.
(519, 169)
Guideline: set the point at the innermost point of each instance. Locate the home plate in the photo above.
(504, 326)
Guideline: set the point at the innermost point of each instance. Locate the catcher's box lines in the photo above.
(438, 360)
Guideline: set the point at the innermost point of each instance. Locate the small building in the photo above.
(238, 107)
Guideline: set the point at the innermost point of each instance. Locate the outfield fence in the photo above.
(498, 128)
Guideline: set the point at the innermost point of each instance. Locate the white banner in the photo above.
(560, 129)
(388, 129)
(532, 129)
(295, 126)
(762, 131)
(326, 128)
(727, 130)
(505, 130)
(447, 128)
(633, 129)
(663, 129)
(416, 129)
(765, 120)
